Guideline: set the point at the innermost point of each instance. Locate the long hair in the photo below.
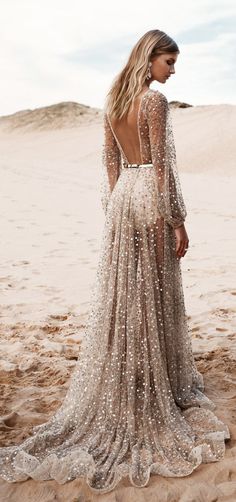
(129, 82)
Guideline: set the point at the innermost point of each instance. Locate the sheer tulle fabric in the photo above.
(136, 402)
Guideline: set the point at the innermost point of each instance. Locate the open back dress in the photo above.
(136, 403)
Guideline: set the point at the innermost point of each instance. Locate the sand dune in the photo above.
(66, 114)
(50, 177)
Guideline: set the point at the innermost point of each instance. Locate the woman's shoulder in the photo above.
(156, 96)
(156, 100)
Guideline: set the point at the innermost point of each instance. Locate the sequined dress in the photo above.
(135, 404)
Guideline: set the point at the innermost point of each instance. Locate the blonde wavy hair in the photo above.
(129, 82)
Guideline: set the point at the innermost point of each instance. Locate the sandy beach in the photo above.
(51, 229)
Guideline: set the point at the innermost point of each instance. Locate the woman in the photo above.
(135, 404)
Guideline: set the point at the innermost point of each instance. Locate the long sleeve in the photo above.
(111, 160)
(170, 199)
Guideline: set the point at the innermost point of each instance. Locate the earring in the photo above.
(149, 71)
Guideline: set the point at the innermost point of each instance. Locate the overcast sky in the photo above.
(70, 50)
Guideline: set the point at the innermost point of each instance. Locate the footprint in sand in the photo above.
(8, 421)
(221, 312)
(5, 278)
(59, 317)
(22, 262)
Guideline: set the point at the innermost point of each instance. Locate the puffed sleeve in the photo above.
(111, 160)
(169, 194)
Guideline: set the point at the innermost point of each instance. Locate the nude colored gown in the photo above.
(135, 404)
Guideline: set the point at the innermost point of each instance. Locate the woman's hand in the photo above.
(182, 241)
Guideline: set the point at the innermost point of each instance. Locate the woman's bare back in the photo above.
(126, 132)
